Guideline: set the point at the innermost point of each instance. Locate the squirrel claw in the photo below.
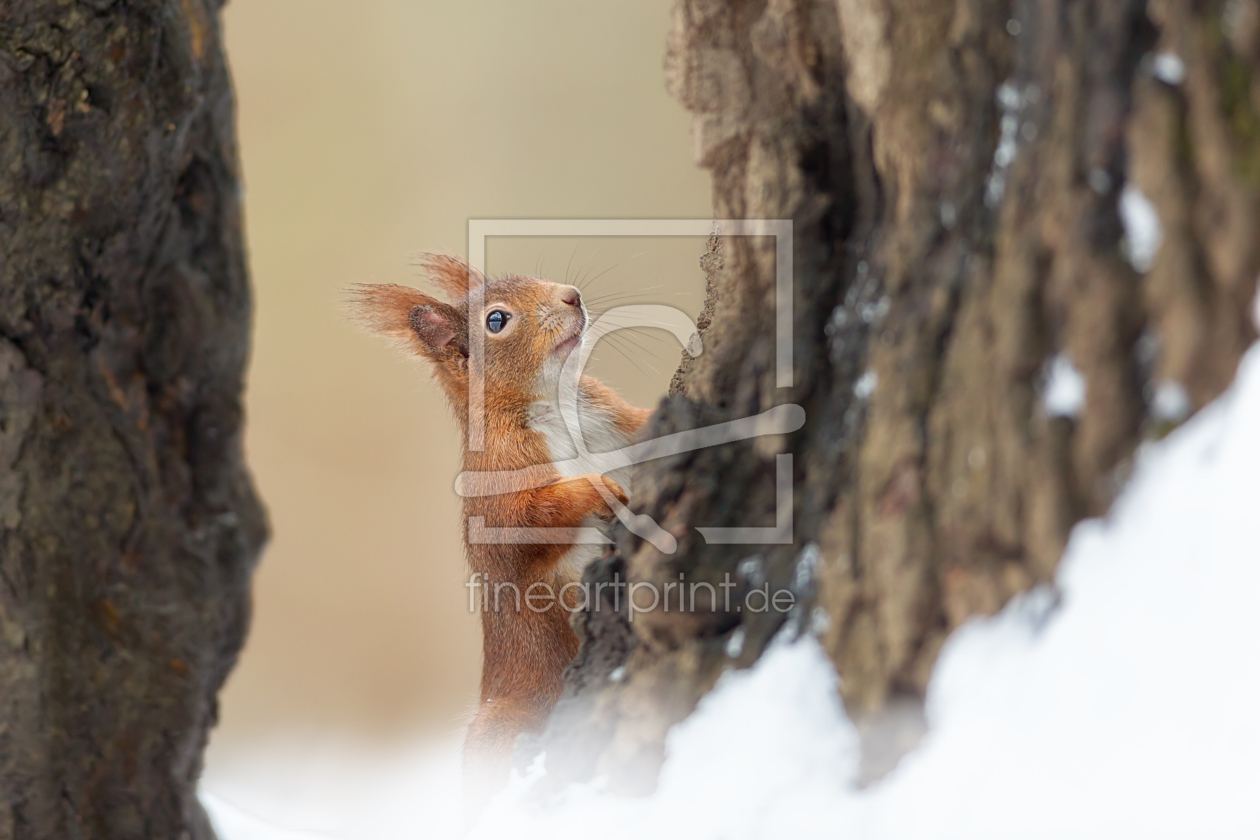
(602, 482)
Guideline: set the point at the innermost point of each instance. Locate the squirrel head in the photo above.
(529, 326)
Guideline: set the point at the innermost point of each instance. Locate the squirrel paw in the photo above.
(616, 489)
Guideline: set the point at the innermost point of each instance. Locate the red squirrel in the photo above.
(530, 326)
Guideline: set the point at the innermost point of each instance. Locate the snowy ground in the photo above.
(1123, 704)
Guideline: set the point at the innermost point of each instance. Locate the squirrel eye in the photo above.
(497, 320)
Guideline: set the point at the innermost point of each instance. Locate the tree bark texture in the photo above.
(953, 169)
(128, 524)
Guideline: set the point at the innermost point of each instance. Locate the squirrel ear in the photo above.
(400, 312)
(437, 327)
(450, 273)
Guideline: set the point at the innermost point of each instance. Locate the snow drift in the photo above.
(1119, 703)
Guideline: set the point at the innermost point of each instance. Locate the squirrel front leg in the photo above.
(565, 503)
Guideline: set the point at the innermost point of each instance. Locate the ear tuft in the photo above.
(450, 273)
(385, 308)
(424, 324)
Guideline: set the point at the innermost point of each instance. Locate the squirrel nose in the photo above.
(572, 296)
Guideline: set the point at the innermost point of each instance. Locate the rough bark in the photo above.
(128, 524)
(953, 170)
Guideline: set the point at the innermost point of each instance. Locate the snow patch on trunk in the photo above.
(1142, 229)
(1064, 392)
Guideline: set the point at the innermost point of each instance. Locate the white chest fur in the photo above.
(599, 434)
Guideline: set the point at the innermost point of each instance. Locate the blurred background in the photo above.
(370, 131)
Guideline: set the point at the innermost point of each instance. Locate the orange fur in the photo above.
(525, 652)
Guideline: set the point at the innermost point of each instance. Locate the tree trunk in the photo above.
(128, 524)
(954, 171)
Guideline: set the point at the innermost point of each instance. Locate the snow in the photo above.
(1121, 702)
(299, 787)
(1064, 392)
(1012, 102)
(866, 385)
(1168, 68)
(1171, 402)
(1142, 228)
